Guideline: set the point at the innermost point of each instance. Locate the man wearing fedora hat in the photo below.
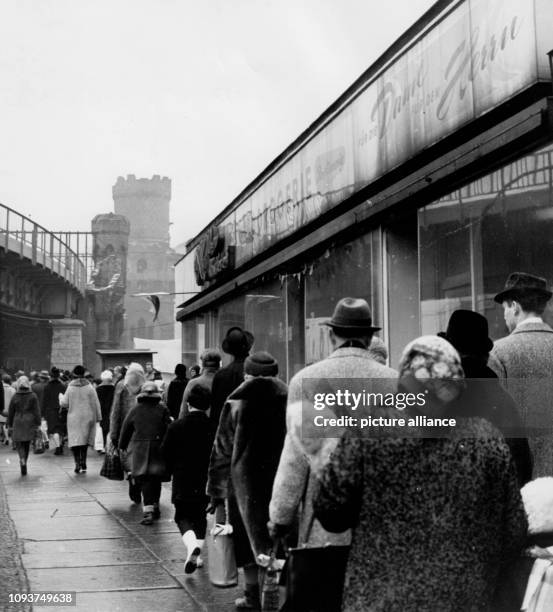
(351, 330)
(527, 353)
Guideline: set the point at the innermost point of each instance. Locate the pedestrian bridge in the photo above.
(42, 290)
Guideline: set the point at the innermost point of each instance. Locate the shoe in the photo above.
(134, 492)
(77, 469)
(23, 470)
(191, 562)
(148, 519)
(83, 467)
(247, 602)
(156, 513)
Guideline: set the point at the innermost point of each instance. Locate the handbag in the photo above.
(221, 561)
(111, 467)
(38, 444)
(315, 576)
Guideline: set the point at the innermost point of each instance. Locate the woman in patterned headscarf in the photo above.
(434, 519)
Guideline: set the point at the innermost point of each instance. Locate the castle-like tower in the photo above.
(145, 203)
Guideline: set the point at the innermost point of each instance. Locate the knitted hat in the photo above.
(149, 390)
(199, 397)
(106, 375)
(261, 364)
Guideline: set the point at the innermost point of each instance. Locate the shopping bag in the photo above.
(221, 561)
(270, 591)
(38, 445)
(99, 439)
(112, 468)
(44, 431)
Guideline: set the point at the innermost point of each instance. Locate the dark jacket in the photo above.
(105, 395)
(186, 450)
(143, 431)
(175, 391)
(24, 416)
(225, 381)
(38, 389)
(486, 398)
(434, 521)
(51, 410)
(123, 401)
(245, 457)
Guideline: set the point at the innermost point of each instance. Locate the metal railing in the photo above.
(21, 235)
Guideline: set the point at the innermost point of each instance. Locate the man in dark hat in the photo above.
(236, 343)
(527, 353)
(351, 330)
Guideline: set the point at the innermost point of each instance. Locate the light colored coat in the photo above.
(83, 412)
(527, 353)
(303, 459)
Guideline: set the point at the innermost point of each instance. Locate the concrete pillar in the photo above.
(67, 343)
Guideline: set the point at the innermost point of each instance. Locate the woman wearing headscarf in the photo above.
(142, 432)
(23, 420)
(244, 461)
(434, 519)
(83, 412)
(105, 391)
(124, 400)
(51, 410)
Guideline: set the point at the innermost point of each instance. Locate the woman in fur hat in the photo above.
(142, 432)
(23, 420)
(244, 462)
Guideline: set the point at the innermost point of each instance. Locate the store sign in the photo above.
(477, 56)
(212, 257)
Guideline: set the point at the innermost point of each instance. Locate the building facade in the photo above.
(421, 188)
(145, 203)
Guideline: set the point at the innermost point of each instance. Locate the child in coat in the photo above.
(186, 449)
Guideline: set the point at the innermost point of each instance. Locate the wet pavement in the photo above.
(81, 533)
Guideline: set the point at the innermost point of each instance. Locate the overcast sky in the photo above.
(205, 92)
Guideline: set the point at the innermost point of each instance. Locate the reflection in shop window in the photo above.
(472, 239)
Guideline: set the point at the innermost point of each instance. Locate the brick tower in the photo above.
(145, 203)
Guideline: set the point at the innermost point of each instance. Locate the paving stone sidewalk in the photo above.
(80, 532)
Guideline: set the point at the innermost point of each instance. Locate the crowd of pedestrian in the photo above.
(431, 521)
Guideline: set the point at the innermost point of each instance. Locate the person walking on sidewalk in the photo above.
(236, 343)
(244, 462)
(211, 362)
(143, 431)
(124, 399)
(83, 412)
(51, 410)
(186, 449)
(175, 390)
(105, 391)
(23, 420)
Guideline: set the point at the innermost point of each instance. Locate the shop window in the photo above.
(351, 270)
(473, 238)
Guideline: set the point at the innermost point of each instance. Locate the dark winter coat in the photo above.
(24, 416)
(225, 381)
(434, 520)
(143, 431)
(51, 406)
(245, 459)
(105, 394)
(486, 398)
(186, 450)
(38, 389)
(175, 391)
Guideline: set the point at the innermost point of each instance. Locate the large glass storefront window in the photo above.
(353, 269)
(473, 238)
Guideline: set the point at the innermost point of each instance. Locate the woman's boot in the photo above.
(84, 450)
(77, 457)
